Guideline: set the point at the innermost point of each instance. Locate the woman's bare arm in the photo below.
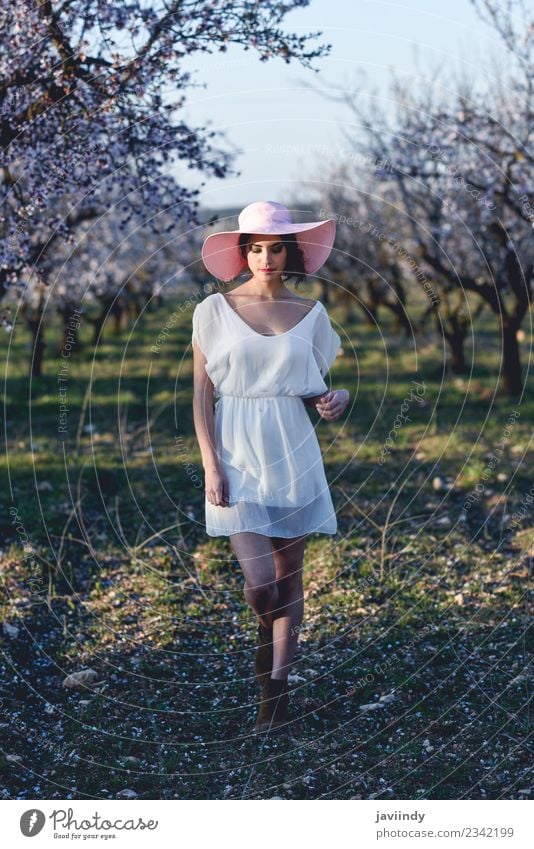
(203, 416)
(204, 420)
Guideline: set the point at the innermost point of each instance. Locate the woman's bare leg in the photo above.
(288, 557)
(272, 567)
(255, 556)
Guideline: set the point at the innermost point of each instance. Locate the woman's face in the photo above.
(266, 256)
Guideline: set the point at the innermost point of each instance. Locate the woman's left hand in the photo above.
(331, 405)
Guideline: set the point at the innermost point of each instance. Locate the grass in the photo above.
(411, 678)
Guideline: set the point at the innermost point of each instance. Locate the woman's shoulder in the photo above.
(315, 305)
(310, 301)
(206, 303)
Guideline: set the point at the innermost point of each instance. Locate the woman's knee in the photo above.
(263, 595)
(290, 584)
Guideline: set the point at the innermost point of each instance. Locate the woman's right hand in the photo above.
(216, 487)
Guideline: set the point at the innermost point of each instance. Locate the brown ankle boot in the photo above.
(273, 710)
(263, 660)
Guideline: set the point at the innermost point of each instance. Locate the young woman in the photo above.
(264, 352)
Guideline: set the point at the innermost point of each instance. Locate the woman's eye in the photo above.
(276, 250)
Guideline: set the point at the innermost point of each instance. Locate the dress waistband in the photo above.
(258, 397)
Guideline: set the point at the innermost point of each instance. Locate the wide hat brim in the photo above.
(222, 257)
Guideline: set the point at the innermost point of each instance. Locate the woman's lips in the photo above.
(267, 269)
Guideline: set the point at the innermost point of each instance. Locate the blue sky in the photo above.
(264, 106)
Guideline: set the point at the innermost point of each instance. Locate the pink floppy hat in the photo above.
(221, 254)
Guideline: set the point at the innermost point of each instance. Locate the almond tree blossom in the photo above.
(91, 93)
(368, 265)
(460, 165)
(113, 271)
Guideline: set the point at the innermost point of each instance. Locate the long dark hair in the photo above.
(294, 266)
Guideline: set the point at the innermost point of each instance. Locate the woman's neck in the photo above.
(274, 290)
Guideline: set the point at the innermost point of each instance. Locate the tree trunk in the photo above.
(456, 345)
(70, 332)
(370, 314)
(36, 326)
(117, 313)
(98, 324)
(325, 292)
(135, 308)
(455, 332)
(401, 320)
(512, 379)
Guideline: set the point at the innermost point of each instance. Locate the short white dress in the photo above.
(265, 439)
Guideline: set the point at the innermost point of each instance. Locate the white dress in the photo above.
(265, 440)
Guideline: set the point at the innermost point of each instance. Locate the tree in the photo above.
(368, 269)
(84, 108)
(463, 178)
(114, 270)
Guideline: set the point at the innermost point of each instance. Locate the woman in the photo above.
(264, 352)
